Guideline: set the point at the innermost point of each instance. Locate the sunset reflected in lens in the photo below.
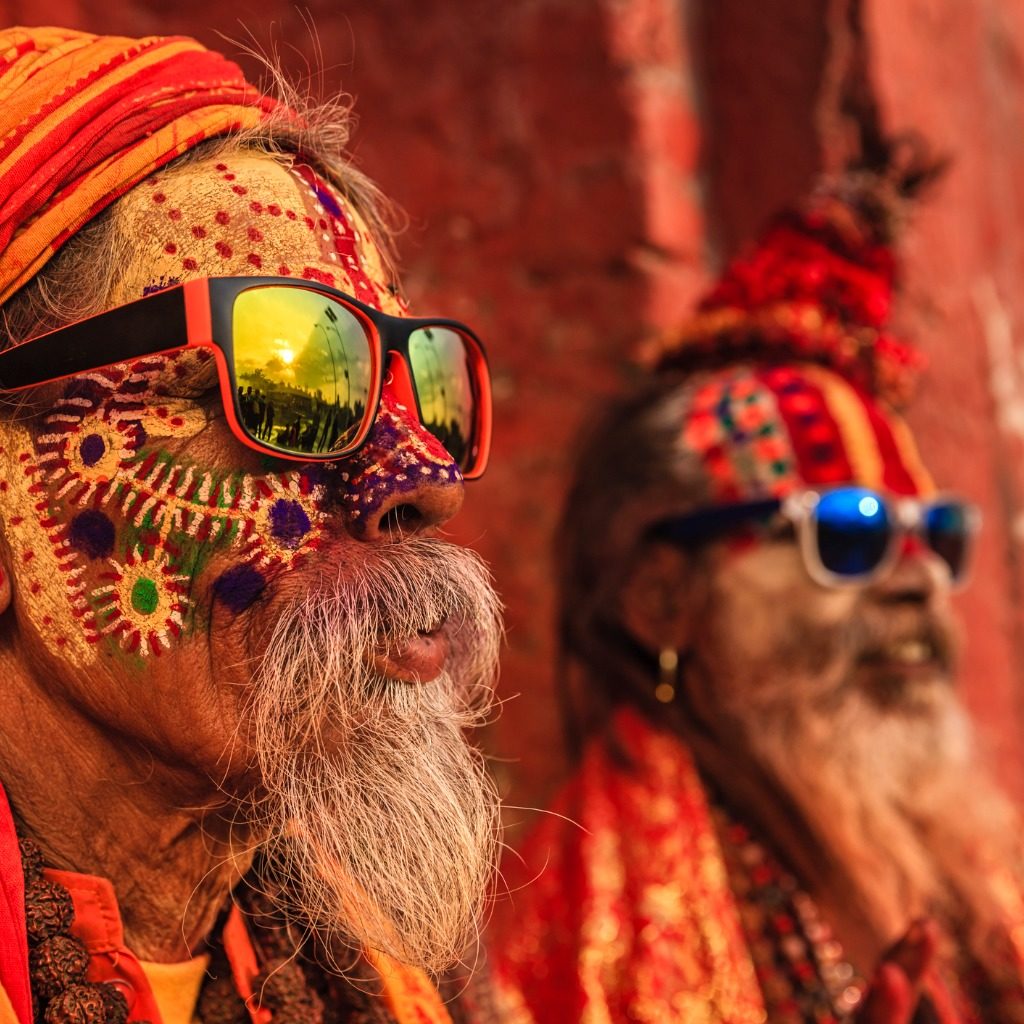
(303, 369)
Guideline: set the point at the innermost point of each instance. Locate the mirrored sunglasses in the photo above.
(847, 535)
(301, 365)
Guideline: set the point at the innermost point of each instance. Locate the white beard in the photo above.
(376, 809)
(897, 795)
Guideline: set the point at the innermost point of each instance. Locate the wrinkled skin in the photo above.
(759, 627)
(767, 622)
(181, 704)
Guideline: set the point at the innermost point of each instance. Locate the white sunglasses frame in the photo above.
(907, 515)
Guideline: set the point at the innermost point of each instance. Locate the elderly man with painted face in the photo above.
(777, 814)
(237, 665)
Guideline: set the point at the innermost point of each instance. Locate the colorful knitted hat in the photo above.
(796, 376)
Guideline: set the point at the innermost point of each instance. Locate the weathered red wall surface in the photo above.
(573, 170)
(952, 70)
(956, 71)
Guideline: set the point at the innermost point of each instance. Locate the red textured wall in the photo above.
(572, 168)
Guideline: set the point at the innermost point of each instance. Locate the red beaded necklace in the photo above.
(800, 965)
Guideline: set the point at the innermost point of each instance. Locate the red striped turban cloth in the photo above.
(84, 118)
(796, 376)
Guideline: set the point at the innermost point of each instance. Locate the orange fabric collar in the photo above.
(407, 992)
(98, 926)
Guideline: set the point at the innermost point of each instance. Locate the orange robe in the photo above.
(630, 916)
(622, 909)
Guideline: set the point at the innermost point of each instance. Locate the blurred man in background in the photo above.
(778, 813)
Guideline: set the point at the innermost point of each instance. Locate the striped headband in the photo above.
(768, 431)
(84, 118)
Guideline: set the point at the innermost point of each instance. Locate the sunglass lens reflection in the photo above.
(852, 530)
(947, 531)
(302, 369)
(441, 372)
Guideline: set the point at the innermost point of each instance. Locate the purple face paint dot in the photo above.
(140, 434)
(91, 449)
(92, 533)
(238, 588)
(288, 522)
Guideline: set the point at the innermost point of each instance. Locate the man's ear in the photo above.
(659, 599)
(5, 587)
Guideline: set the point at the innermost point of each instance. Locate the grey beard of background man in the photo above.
(835, 716)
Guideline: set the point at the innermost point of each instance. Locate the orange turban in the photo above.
(84, 118)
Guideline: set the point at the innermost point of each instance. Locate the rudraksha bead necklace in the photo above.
(58, 963)
(57, 960)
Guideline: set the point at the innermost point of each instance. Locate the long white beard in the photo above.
(899, 798)
(376, 809)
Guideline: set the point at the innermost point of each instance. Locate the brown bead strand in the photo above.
(57, 961)
(80, 1004)
(219, 1001)
(283, 986)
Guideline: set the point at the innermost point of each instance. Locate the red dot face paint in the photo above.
(254, 215)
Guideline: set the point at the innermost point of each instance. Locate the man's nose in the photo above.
(402, 481)
(917, 575)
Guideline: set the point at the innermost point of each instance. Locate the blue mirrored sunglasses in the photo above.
(847, 535)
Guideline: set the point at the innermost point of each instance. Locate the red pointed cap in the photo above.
(817, 286)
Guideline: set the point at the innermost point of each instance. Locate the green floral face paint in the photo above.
(128, 527)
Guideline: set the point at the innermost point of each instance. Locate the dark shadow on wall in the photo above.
(761, 68)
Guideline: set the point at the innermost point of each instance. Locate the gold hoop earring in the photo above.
(668, 675)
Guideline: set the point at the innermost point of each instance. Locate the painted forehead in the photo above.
(770, 431)
(248, 214)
